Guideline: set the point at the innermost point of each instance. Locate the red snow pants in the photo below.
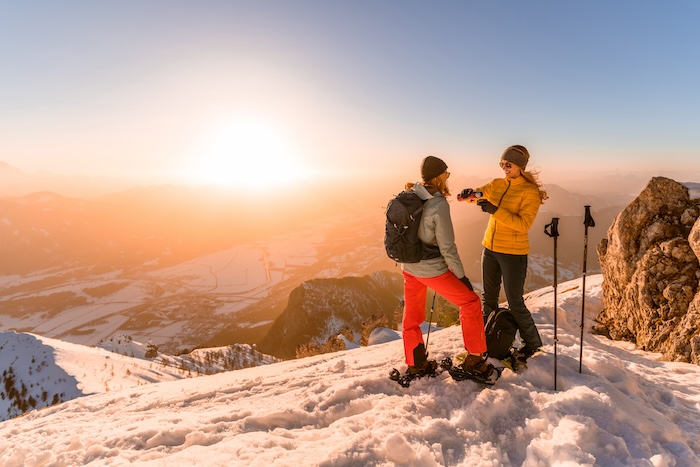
(457, 293)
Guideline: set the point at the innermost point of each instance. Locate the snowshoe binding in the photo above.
(474, 367)
(428, 368)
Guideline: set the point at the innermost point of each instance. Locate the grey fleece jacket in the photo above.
(436, 229)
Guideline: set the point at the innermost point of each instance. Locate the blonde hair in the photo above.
(533, 177)
(439, 182)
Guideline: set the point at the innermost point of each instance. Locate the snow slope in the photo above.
(627, 408)
(48, 371)
(40, 371)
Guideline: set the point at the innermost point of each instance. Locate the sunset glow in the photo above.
(247, 152)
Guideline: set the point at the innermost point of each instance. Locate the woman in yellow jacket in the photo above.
(512, 203)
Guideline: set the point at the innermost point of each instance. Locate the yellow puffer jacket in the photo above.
(518, 202)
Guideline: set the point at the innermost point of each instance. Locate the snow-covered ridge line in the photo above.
(39, 372)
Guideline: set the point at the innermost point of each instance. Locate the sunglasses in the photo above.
(506, 165)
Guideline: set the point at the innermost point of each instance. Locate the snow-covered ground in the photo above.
(627, 408)
(44, 371)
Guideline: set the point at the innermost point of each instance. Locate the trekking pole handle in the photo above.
(553, 227)
(588, 220)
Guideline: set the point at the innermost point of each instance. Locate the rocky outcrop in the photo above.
(320, 309)
(649, 263)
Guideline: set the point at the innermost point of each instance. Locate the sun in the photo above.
(252, 153)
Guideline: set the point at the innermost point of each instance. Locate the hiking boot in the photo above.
(428, 367)
(476, 364)
(525, 352)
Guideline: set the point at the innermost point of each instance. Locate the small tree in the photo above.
(152, 350)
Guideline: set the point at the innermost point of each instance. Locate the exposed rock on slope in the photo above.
(649, 262)
(323, 308)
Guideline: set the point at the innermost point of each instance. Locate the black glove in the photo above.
(486, 206)
(466, 282)
(466, 192)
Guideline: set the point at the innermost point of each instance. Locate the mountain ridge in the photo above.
(320, 309)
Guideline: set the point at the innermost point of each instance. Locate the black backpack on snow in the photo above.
(403, 216)
(500, 333)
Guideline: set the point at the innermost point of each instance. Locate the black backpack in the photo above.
(401, 241)
(500, 333)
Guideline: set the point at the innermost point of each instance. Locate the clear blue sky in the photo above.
(142, 88)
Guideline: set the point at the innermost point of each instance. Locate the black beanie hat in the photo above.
(431, 167)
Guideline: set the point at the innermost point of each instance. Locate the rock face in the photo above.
(320, 309)
(649, 262)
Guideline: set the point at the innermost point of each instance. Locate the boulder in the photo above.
(649, 262)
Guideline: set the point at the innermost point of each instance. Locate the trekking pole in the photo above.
(554, 233)
(430, 319)
(587, 222)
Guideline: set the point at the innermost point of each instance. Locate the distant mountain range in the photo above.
(16, 182)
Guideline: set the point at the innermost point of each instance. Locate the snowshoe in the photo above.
(429, 368)
(474, 367)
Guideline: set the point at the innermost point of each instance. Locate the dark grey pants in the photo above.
(513, 269)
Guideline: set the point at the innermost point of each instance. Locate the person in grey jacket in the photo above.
(444, 274)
